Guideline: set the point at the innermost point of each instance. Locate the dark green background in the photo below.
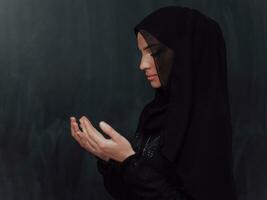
(75, 57)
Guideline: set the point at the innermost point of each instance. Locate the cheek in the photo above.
(155, 69)
(152, 65)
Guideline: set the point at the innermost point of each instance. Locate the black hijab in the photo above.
(191, 109)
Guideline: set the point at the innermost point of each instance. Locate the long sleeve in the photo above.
(146, 182)
(141, 176)
(112, 179)
(111, 173)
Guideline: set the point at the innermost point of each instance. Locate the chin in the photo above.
(155, 85)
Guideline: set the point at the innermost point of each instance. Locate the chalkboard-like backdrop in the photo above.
(62, 58)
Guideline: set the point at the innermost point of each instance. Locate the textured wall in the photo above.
(62, 58)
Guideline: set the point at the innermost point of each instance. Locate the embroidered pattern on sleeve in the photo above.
(150, 148)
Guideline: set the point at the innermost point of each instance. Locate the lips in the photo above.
(151, 75)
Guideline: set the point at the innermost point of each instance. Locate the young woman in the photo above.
(182, 147)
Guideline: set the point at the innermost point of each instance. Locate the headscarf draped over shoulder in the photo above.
(191, 109)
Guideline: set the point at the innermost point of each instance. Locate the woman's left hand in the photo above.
(117, 147)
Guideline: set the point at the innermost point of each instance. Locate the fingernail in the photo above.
(103, 124)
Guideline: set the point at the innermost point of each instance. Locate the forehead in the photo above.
(141, 42)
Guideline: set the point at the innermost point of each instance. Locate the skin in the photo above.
(117, 147)
(147, 63)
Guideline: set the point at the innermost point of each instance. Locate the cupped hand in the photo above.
(117, 147)
(84, 140)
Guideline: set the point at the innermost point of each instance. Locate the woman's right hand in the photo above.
(85, 143)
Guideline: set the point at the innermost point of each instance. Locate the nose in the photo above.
(143, 65)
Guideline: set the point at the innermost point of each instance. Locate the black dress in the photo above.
(183, 142)
(137, 178)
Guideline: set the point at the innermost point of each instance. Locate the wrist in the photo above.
(131, 153)
(103, 158)
(128, 155)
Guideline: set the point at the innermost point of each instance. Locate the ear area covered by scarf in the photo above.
(196, 127)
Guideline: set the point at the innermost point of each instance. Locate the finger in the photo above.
(72, 118)
(87, 137)
(75, 128)
(91, 148)
(76, 135)
(85, 119)
(109, 130)
(72, 130)
(88, 125)
(85, 144)
(76, 131)
(72, 127)
(88, 146)
(75, 125)
(92, 132)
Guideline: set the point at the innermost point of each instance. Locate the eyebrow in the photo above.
(151, 45)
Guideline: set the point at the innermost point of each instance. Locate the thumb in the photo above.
(109, 130)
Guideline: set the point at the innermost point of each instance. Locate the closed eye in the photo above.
(157, 53)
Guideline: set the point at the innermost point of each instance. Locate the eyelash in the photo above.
(156, 53)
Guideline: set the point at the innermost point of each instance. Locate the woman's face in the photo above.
(147, 63)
